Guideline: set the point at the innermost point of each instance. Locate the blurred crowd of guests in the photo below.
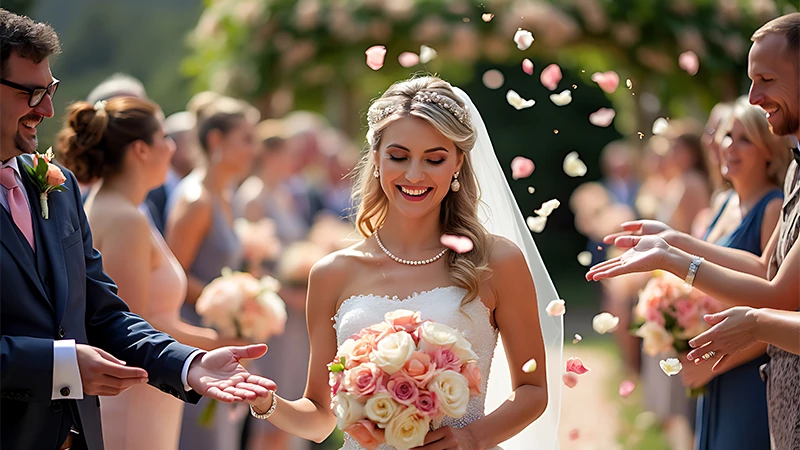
(174, 200)
(721, 183)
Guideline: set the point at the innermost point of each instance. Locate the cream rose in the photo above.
(656, 338)
(393, 351)
(381, 408)
(347, 408)
(452, 391)
(434, 335)
(463, 349)
(407, 429)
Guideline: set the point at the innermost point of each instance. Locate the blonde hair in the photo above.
(459, 210)
(756, 130)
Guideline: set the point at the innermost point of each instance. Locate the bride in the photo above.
(430, 156)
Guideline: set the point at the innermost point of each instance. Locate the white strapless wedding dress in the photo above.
(439, 305)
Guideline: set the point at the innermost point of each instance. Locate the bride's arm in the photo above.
(517, 316)
(310, 417)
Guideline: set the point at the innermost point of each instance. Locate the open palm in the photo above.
(645, 254)
(219, 374)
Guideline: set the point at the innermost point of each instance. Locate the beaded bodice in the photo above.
(441, 305)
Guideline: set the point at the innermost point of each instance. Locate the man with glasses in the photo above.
(62, 327)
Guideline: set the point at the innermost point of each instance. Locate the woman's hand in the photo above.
(449, 438)
(696, 376)
(639, 228)
(645, 254)
(733, 331)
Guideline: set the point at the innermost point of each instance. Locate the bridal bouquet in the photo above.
(391, 381)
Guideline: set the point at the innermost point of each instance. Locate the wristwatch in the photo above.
(269, 412)
(696, 261)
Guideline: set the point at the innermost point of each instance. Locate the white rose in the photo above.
(346, 348)
(452, 390)
(435, 335)
(393, 351)
(463, 349)
(347, 408)
(656, 338)
(380, 408)
(407, 429)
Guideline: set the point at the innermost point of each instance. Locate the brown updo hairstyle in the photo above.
(217, 112)
(94, 139)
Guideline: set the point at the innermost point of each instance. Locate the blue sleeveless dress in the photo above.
(732, 414)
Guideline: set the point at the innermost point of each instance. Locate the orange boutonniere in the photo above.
(47, 177)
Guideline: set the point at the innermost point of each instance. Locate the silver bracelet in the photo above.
(269, 412)
(696, 261)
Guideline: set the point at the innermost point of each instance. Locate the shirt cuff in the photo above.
(66, 373)
(185, 371)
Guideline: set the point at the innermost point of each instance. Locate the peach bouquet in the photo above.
(391, 381)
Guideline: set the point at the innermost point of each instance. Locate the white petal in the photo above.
(562, 99)
(585, 258)
(604, 322)
(548, 207)
(536, 223)
(556, 308)
(671, 366)
(531, 189)
(573, 166)
(523, 39)
(660, 125)
(426, 54)
(530, 366)
(518, 102)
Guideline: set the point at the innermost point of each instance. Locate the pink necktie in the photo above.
(17, 204)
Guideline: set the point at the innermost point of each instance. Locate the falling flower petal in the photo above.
(556, 130)
(550, 76)
(426, 54)
(408, 59)
(459, 244)
(547, 207)
(487, 17)
(688, 61)
(531, 189)
(670, 366)
(577, 338)
(536, 223)
(575, 365)
(518, 102)
(585, 258)
(573, 166)
(375, 55)
(523, 39)
(530, 366)
(629, 83)
(556, 308)
(660, 125)
(493, 79)
(604, 322)
(570, 380)
(562, 99)
(521, 167)
(574, 434)
(608, 81)
(527, 66)
(602, 117)
(625, 388)
(641, 135)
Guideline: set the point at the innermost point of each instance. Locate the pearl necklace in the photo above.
(405, 261)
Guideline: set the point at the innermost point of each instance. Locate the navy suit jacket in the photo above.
(62, 292)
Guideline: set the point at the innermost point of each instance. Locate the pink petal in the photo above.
(689, 62)
(459, 244)
(575, 365)
(521, 167)
(625, 388)
(574, 434)
(608, 81)
(570, 380)
(603, 117)
(375, 55)
(408, 59)
(550, 76)
(527, 66)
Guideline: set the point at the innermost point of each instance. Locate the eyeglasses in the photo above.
(36, 95)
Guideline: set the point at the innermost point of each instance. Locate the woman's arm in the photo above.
(779, 328)
(310, 417)
(187, 226)
(769, 224)
(517, 316)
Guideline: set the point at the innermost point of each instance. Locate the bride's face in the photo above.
(416, 165)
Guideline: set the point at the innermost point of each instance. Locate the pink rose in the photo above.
(427, 403)
(360, 351)
(445, 359)
(402, 388)
(54, 176)
(362, 379)
(654, 315)
(403, 320)
(687, 313)
(374, 330)
(420, 368)
(335, 382)
(473, 375)
(383, 380)
(366, 433)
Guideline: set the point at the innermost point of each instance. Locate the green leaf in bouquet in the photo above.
(206, 419)
(336, 368)
(636, 324)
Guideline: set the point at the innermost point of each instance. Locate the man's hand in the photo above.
(219, 374)
(103, 374)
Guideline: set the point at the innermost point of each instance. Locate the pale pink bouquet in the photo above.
(239, 305)
(394, 381)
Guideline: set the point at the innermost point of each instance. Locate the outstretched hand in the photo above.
(219, 374)
(638, 228)
(645, 254)
(733, 331)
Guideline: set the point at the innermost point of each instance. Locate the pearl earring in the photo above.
(455, 185)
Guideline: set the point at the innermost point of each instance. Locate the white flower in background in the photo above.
(536, 223)
(671, 366)
(556, 308)
(562, 99)
(604, 322)
(426, 54)
(573, 166)
(523, 39)
(547, 207)
(518, 102)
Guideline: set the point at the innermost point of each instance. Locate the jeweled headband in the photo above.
(376, 115)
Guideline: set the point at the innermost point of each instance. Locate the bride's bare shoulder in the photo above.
(335, 270)
(502, 252)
